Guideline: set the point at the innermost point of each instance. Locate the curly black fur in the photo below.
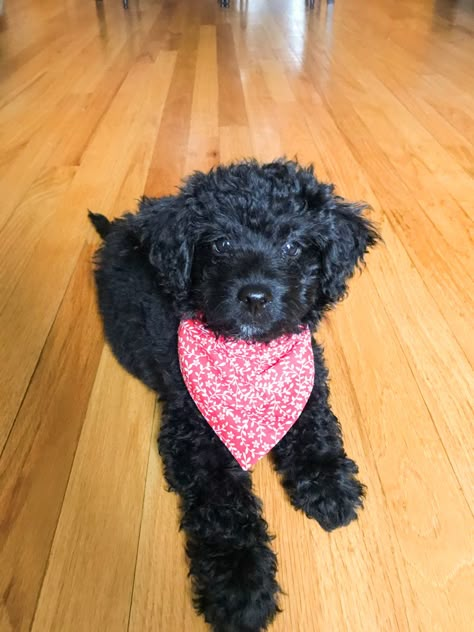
(247, 228)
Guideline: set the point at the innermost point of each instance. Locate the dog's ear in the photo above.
(165, 232)
(348, 238)
(343, 234)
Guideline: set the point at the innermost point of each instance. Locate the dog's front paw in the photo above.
(331, 495)
(235, 589)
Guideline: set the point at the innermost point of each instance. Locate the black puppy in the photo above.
(271, 230)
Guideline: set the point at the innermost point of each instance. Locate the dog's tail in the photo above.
(100, 223)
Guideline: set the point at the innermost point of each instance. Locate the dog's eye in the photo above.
(291, 249)
(222, 245)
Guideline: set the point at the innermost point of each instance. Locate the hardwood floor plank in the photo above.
(231, 106)
(141, 149)
(234, 143)
(94, 550)
(277, 83)
(261, 112)
(202, 151)
(169, 153)
(35, 465)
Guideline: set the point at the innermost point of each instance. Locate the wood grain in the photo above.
(37, 460)
(101, 514)
(99, 105)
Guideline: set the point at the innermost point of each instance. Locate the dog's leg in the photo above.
(316, 472)
(231, 563)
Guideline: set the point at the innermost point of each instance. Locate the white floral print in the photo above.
(250, 393)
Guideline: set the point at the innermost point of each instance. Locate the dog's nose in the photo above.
(255, 297)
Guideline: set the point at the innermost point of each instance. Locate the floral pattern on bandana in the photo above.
(249, 393)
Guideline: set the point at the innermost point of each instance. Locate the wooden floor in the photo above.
(99, 106)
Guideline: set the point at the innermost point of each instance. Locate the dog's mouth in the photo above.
(251, 331)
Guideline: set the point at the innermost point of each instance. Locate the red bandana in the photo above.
(249, 393)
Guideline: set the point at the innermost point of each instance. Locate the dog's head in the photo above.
(257, 250)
